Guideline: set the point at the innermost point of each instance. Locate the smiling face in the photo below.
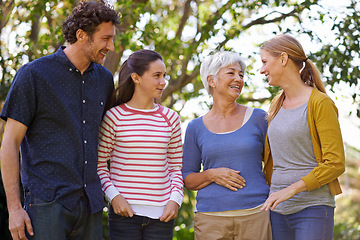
(229, 81)
(100, 43)
(271, 67)
(152, 83)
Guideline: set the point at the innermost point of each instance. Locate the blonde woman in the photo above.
(304, 152)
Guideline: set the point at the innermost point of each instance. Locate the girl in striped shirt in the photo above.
(141, 141)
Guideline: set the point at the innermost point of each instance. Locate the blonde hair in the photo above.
(309, 74)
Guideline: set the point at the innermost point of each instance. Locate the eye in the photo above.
(241, 75)
(230, 73)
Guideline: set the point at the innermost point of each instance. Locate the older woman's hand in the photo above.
(227, 177)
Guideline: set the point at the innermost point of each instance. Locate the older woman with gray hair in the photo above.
(223, 154)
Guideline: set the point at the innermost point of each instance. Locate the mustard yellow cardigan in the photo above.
(322, 117)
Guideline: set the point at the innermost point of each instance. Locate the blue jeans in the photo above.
(139, 228)
(312, 223)
(51, 220)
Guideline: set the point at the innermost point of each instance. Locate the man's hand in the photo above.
(170, 212)
(19, 221)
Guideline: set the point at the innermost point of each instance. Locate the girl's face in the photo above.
(271, 67)
(152, 82)
(229, 81)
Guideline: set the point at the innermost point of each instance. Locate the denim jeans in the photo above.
(139, 228)
(312, 223)
(51, 220)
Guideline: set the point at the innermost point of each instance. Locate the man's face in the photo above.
(100, 43)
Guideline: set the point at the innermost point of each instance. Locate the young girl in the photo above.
(305, 143)
(142, 140)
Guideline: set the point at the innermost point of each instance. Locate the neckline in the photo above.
(249, 110)
(127, 107)
(296, 108)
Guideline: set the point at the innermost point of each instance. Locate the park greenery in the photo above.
(183, 32)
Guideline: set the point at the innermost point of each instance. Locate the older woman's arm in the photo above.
(194, 177)
(226, 177)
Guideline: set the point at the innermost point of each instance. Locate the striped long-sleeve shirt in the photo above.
(145, 152)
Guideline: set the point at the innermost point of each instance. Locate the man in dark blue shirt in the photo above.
(53, 110)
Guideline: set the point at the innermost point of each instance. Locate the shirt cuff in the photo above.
(311, 182)
(111, 192)
(176, 197)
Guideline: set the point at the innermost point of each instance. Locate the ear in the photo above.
(81, 35)
(284, 58)
(135, 77)
(210, 80)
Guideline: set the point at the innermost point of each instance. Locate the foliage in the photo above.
(347, 211)
(183, 32)
(340, 60)
(4, 216)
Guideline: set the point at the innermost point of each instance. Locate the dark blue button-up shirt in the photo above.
(63, 111)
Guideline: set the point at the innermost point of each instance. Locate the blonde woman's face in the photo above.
(271, 67)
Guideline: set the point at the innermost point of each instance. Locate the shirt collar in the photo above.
(67, 63)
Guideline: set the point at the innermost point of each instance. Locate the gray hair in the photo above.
(213, 63)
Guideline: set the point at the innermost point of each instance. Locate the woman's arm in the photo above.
(196, 179)
(225, 177)
(280, 196)
(327, 142)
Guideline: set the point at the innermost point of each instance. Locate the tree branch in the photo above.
(186, 14)
(5, 8)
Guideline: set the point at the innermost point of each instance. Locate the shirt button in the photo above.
(84, 101)
(102, 103)
(83, 82)
(85, 185)
(85, 162)
(70, 69)
(83, 121)
(85, 141)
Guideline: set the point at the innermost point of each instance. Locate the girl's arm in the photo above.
(174, 156)
(105, 148)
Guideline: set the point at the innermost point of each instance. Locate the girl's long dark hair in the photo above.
(138, 62)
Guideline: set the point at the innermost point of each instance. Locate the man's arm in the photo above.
(9, 155)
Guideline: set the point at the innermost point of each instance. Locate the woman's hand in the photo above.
(280, 196)
(227, 177)
(170, 212)
(121, 206)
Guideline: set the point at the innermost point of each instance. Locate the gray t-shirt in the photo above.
(293, 156)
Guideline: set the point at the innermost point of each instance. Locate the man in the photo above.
(54, 109)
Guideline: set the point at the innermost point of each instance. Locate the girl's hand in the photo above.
(121, 206)
(170, 212)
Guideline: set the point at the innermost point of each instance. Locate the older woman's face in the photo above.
(230, 80)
